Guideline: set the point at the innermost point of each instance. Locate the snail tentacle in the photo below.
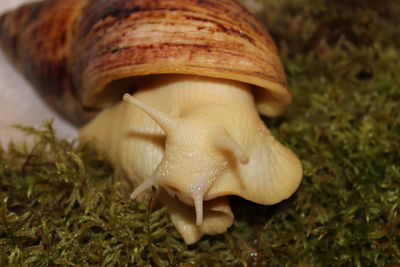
(166, 121)
(223, 141)
(198, 206)
(146, 184)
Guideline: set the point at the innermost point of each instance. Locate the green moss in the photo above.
(61, 204)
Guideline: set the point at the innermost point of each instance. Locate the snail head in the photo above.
(195, 154)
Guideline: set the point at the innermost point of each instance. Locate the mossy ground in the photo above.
(62, 205)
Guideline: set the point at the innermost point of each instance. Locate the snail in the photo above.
(193, 75)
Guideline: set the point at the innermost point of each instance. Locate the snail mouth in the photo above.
(188, 200)
(195, 200)
(184, 198)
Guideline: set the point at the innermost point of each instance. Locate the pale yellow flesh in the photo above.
(199, 139)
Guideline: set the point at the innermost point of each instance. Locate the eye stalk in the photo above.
(166, 121)
(223, 141)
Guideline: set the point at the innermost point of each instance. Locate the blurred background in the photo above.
(19, 104)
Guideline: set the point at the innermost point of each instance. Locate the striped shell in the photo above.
(79, 53)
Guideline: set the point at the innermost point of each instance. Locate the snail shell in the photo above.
(77, 51)
(198, 70)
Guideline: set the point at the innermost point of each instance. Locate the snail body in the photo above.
(212, 144)
(194, 75)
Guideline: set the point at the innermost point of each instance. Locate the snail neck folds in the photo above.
(199, 140)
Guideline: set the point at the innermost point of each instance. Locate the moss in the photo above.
(61, 204)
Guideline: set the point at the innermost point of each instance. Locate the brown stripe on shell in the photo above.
(222, 27)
